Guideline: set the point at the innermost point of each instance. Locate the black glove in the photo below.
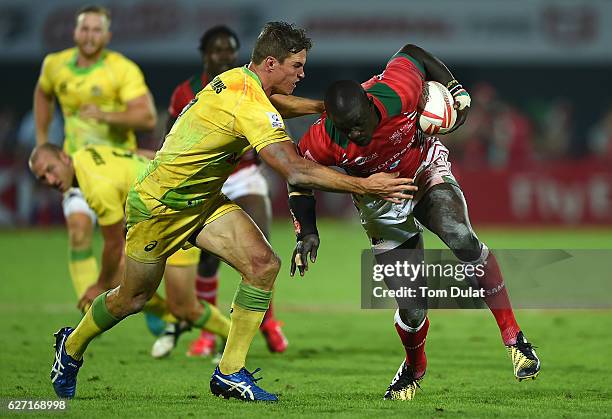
(462, 102)
(309, 244)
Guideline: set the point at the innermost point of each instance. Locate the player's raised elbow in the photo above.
(412, 50)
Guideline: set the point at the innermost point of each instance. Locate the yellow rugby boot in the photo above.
(525, 362)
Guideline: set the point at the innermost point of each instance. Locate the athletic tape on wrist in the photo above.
(302, 208)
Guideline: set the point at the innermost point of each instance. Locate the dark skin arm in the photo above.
(436, 70)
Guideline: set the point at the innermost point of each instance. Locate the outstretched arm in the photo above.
(303, 173)
(293, 106)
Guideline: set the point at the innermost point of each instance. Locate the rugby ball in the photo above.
(436, 112)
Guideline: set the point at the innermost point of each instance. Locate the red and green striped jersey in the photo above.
(395, 145)
(185, 92)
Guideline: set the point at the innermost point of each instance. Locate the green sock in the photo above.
(248, 309)
(96, 320)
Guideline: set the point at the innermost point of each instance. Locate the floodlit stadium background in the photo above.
(536, 150)
(534, 160)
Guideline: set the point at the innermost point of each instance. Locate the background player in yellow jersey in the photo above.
(105, 175)
(178, 200)
(103, 97)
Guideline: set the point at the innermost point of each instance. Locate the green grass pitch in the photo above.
(340, 359)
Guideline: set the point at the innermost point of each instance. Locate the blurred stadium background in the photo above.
(537, 148)
(534, 160)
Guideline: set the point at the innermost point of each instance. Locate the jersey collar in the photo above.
(72, 64)
(252, 75)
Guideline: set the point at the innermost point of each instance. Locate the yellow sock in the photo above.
(249, 307)
(83, 269)
(94, 322)
(213, 321)
(157, 306)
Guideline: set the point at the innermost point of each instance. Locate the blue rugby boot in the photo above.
(65, 368)
(239, 385)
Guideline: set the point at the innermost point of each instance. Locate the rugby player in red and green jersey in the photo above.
(370, 128)
(246, 186)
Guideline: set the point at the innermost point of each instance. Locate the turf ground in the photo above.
(340, 359)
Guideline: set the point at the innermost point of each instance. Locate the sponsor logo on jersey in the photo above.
(393, 159)
(394, 165)
(361, 160)
(275, 120)
(150, 246)
(404, 130)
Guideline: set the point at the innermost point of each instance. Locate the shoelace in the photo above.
(526, 349)
(405, 379)
(251, 375)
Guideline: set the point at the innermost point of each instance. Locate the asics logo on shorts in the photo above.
(150, 246)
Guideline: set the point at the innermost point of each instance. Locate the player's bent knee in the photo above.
(412, 317)
(265, 268)
(463, 242)
(137, 303)
(121, 305)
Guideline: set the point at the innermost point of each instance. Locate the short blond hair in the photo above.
(46, 147)
(92, 8)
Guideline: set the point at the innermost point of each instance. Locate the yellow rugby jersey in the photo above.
(105, 175)
(110, 83)
(230, 116)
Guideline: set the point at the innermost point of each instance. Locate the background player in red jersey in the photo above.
(247, 187)
(372, 128)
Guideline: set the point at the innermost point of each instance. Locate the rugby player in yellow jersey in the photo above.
(104, 98)
(105, 175)
(178, 200)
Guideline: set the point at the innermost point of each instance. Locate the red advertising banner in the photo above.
(560, 193)
(569, 193)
